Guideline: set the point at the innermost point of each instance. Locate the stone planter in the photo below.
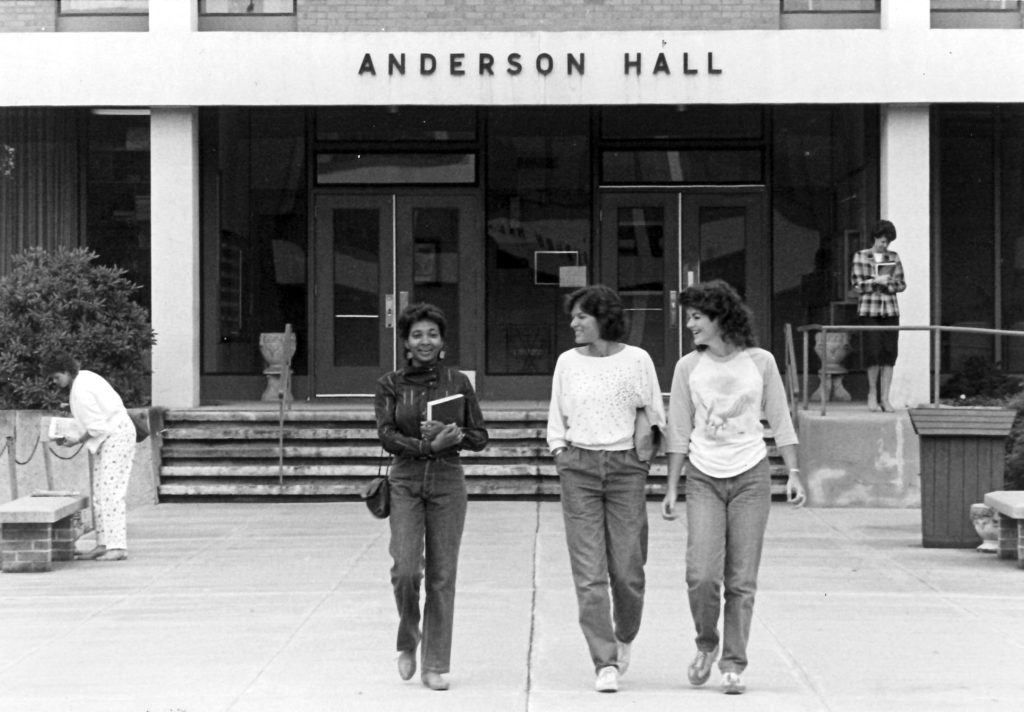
(832, 351)
(277, 349)
(963, 452)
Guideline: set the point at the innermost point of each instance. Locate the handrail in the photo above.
(936, 330)
(792, 384)
(284, 402)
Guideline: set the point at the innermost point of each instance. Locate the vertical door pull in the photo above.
(389, 311)
(403, 301)
(673, 306)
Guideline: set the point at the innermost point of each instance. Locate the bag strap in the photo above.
(380, 462)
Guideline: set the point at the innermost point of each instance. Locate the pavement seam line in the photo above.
(533, 605)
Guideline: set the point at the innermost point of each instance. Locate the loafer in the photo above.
(434, 681)
(113, 555)
(407, 664)
(93, 553)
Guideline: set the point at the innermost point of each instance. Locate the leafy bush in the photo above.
(63, 301)
(979, 383)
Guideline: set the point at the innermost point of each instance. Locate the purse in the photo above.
(377, 494)
(646, 437)
(140, 419)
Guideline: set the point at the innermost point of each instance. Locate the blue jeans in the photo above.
(605, 511)
(725, 523)
(428, 513)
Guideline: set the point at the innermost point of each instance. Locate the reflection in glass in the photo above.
(395, 168)
(435, 234)
(693, 166)
(247, 7)
(722, 245)
(396, 123)
(104, 7)
(356, 277)
(640, 232)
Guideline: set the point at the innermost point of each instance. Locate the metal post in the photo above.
(803, 395)
(12, 462)
(821, 374)
(936, 363)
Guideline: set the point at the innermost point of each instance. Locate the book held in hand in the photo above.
(445, 410)
(64, 428)
(883, 268)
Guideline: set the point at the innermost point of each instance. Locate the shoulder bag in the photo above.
(377, 494)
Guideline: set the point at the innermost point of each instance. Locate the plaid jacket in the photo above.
(876, 300)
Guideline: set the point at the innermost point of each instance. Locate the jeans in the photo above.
(428, 513)
(725, 522)
(605, 511)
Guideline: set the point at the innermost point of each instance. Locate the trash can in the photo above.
(963, 454)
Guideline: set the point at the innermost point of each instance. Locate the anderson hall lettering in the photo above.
(459, 64)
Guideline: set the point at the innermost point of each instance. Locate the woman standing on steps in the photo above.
(109, 435)
(719, 392)
(877, 277)
(428, 489)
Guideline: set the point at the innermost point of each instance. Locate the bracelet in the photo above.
(794, 470)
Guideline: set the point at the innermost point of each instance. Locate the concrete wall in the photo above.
(854, 458)
(70, 474)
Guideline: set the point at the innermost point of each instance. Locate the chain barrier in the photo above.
(30, 455)
(69, 457)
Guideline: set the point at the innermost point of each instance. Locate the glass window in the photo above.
(254, 238)
(1011, 189)
(117, 198)
(538, 221)
(247, 7)
(977, 5)
(966, 250)
(832, 5)
(682, 121)
(395, 168)
(824, 199)
(104, 7)
(396, 123)
(665, 167)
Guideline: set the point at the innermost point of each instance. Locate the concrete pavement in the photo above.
(287, 607)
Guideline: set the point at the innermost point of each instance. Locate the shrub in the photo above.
(979, 383)
(64, 301)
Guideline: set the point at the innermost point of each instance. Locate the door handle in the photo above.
(403, 301)
(389, 311)
(673, 308)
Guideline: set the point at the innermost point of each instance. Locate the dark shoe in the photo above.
(407, 664)
(434, 681)
(113, 555)
(94, 553)
(700, 669)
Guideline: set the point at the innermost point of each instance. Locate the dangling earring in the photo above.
(440, 356)
(408, 356)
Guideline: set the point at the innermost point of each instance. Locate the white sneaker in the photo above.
(607, 679)
(700, 669)
(625, 653)
(732, 684)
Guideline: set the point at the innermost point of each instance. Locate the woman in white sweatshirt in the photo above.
(719, 392)
(597, 388)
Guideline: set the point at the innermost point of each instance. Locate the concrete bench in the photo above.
(1010, 506)
(36, 531)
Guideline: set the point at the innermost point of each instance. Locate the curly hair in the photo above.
(885, 229)
(60, 362)
(604, 304)
(717, 300)
(421, 312)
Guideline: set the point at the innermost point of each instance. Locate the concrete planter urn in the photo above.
(277, 349)
(832, 351)
(963, 451)
(986, 523)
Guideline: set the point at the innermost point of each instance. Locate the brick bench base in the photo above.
(36, 531)
(1010, 506)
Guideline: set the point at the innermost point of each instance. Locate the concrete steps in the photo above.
(235, 453)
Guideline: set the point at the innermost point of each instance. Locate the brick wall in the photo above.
(28, 15)
(542, 15)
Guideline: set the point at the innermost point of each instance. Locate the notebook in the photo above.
(447, 409)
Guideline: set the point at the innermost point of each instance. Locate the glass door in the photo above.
(655, 243)
(374, 255)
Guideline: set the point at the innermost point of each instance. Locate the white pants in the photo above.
(113, 467)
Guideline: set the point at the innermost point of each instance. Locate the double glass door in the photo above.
(655, 243)
(375, 254)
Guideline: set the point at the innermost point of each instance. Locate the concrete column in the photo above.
(174, 180)
(173, 16)
(906, 14)
(905, 200)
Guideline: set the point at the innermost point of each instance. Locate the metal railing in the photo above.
(936, 331)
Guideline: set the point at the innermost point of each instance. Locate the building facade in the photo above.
(322, 163)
